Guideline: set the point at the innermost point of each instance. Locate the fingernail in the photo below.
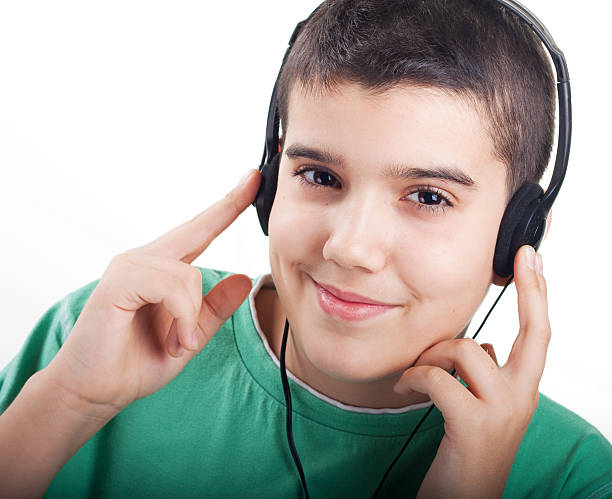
(176, 351)
(245, 178)
(531, 258)
(194, 341)
(539, 264)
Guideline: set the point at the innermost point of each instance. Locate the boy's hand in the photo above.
(147, 318)
(484, 423)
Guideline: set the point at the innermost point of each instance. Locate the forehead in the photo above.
(422, 126)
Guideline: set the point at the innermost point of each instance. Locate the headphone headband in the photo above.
(564, 98)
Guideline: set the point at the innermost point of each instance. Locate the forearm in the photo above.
(39, 432)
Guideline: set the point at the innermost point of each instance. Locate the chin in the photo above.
(351, 360)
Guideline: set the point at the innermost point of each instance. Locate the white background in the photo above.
(120, 120)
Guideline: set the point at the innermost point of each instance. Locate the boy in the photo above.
(155, 413)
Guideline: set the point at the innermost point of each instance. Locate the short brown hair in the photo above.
(471, 48)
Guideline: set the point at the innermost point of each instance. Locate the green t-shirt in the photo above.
(218, 430)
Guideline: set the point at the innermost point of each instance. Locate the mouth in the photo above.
(348, 306)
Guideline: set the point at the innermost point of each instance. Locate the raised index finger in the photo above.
(528, 356)
(187, 241)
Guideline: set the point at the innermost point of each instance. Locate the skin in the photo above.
(364, 233)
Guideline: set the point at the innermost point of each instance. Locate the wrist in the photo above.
(465, 477)
(53, 381)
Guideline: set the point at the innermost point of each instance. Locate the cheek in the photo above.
(449, 266)
(297, 230)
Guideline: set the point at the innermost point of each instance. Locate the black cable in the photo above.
(287, 392)
(493, 306)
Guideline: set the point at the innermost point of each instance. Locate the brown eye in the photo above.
(430, 198)
(322, 178)
(318, 178)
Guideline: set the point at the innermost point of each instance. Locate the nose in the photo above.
(358, 235)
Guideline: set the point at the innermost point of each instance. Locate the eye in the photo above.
(429, 198)
(316, 177)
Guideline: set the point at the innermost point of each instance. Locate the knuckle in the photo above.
(194, 285)
(544, 335)
(523, 332)
(174, 283)
(467, 345)
(195, 278)
(119, 263)
(533, 285)
(232, 203)
(186, 305)
(132, 253)
(432, 374)
(118, 259)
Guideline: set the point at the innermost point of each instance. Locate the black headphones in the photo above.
(524, 221)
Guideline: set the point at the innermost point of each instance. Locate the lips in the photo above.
(346, 309)
(350, 297)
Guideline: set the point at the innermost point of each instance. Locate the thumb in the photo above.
(219, 304)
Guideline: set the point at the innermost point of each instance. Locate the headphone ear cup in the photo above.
(523, 223)
(267, 191)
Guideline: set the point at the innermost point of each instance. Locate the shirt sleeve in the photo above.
(590, 472)
(42, 343)
(561, 455)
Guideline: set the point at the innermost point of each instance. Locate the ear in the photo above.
(501, 281)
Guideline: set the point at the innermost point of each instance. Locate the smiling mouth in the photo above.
(348, 310)
(350, 297)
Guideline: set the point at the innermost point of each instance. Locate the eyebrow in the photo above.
(396, 171)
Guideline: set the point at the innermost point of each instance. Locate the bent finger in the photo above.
(448, 395)
(140, 284)
(181, 330)
(473, 365)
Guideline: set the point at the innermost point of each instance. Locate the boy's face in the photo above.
(421, 243)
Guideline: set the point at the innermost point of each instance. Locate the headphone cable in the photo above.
(289, 411)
